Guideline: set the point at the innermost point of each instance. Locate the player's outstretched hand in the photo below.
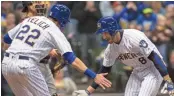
(80, 93)
(170, 88)
(102, 81)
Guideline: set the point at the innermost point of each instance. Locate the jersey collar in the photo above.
(121, 35)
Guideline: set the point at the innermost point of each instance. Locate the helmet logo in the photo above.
(99, 25)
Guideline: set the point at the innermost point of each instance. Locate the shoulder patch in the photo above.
(143, 44)
(98, 25)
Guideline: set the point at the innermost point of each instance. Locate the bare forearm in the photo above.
(79, 65)
(6, 46)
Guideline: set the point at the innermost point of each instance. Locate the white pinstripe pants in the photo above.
(144, 83)
(24, 77)
(46, 73)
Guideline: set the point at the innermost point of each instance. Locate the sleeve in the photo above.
(7, 39)
(159, 63)
(109, 56)
(144, 45)
(12, 33)
(60, 42)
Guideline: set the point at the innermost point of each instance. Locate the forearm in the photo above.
(79, 65)
(160, 65)
(6, 46)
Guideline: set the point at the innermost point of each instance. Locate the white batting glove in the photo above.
(164, 89)
(80, 93)
(170, 88)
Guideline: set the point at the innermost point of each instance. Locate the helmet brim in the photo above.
(100, 31)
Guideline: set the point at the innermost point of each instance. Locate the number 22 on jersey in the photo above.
(34, 34)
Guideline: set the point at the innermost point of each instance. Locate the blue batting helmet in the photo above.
(107, 24)
(61, 13)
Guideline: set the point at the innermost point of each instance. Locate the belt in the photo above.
(45, 60)
(20, 56)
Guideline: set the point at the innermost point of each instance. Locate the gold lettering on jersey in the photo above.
(39, 23)
(126, 56)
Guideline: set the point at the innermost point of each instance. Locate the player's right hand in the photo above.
(170, 88)
(102, 81)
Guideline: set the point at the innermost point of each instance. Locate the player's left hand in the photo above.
(80, 93)
(53, 53)
(170, 88)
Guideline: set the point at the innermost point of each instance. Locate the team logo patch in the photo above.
(99, 25)
(143, 44)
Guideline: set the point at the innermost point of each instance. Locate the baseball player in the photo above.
(133, 48)
(40, 8)
(31, 41)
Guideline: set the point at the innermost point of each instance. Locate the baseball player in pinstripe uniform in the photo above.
(40, 8)
(133, 48)
(32, 40)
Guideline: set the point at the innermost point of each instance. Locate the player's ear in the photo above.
(31, 8)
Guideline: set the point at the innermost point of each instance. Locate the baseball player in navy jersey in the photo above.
(133, 48)
(32, 40)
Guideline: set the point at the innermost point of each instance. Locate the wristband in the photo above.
(94, 85)
(90, 73)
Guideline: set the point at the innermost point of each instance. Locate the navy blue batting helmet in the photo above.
(107, 24)
(61, 13)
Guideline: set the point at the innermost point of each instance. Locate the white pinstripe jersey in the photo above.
(133, 50)
(36, 36)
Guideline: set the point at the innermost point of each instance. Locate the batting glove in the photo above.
(164, 89)
(81, 93)
(170, 88)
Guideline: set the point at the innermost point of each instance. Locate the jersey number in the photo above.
(142, 60)
(29, 39)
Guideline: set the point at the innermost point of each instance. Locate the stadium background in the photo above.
(154, 18)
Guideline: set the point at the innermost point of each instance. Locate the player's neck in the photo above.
(29, 14)
(118, 37)
(56, 22)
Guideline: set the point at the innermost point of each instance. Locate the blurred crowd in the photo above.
(154, 18)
